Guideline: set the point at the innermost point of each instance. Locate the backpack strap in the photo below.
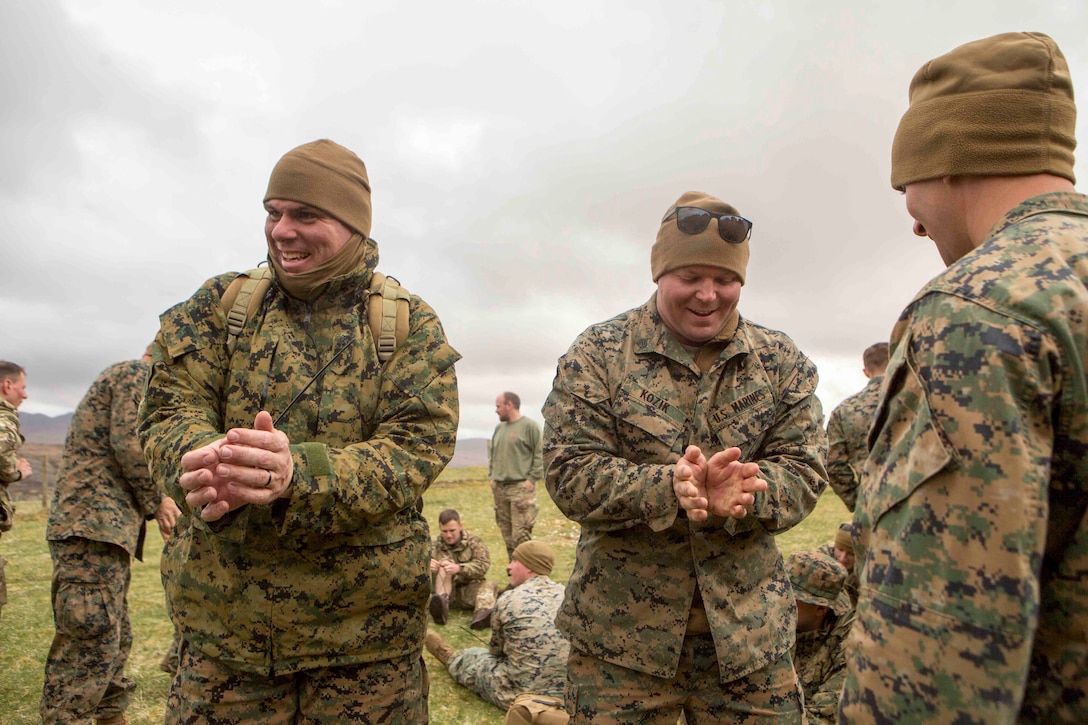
(387, 308)
(387, 314)
(241, 299)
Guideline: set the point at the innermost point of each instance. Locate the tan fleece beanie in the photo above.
(536, 555)
(674, 249)
(1001, 106)
(325, 175)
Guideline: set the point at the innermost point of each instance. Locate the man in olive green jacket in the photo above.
(299, 581)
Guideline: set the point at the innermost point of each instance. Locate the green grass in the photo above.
(26, 627)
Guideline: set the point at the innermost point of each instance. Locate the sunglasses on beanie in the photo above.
(693, 220)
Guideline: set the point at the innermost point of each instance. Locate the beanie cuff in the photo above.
(1010, 132)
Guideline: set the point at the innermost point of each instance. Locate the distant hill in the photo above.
(38, 428)
(51, 430)
(470, 452)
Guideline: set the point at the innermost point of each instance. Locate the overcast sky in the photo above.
(521, 156)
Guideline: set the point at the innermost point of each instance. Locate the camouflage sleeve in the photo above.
(822, 707)
(476, 568)
(417, 428)
(840, 474)
(9, 446)
(181, 410)
(953, 527)
(592, 480)
(125, 383)
(792, 450)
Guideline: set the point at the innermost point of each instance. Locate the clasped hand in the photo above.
(722, 486)
(249, 465)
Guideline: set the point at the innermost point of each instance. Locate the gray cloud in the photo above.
(521, 159)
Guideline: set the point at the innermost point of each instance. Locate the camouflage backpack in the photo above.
(387, 308)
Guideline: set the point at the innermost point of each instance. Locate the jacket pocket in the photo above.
(907, 446)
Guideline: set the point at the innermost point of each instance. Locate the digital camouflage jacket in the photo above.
(847, 434)
(11, 439)
(338, 572)
(104, 491)
(626, 401)
(973, 518)
(820, 660)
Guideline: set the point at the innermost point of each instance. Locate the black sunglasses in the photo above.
(693, 220)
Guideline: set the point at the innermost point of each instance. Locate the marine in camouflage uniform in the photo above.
(12, 467)
(680, 614)
(299, 577)
(526, 652)
(973, 519)
(97, 523)
(514, 465)
(468, 588)
(823, 621)
(848, 428)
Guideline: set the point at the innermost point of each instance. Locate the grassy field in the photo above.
(26, 628)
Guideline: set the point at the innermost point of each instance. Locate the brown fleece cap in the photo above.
(843, 538)
(325, 175)
(675, 249)
(1001, 106)
(536, 555)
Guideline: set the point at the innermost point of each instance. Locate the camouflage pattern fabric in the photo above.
(514, 457)
(847, 433)
(626, 401)
(336, 574)
(11, 438)
(600, 693)
(472, 554)
(820, 660)
(390, 692)
(515, 512)
(85, 668)
(526, 653)
(973, 533)
(103, 497)
(104, 491)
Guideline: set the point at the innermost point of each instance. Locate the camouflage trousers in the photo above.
(84, 671)
(485, 674)
(475, 595)
(206, 692)
(605, 694)
(515, 512)
(3, 584)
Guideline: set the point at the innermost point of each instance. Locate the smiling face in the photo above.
(696, 301)
(301, 237)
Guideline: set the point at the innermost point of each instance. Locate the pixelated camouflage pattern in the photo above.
(104, 491)
(338, 572)
(11, 439)
(85, 667)
(472, 554)
(973, 533)
(600, 693)
(820, 660)
(847, 435)
(526, 652)
(626, 401)
(389, 692)
(515, 512)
